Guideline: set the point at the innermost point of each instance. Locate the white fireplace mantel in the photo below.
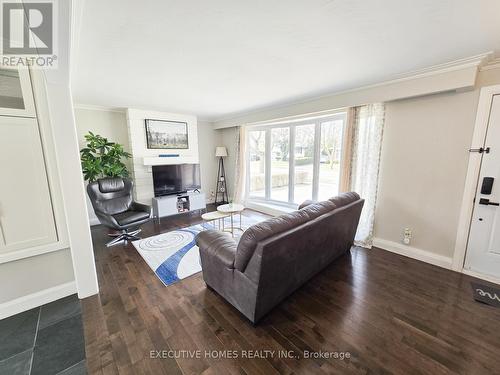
(143, 158)
(160, 160)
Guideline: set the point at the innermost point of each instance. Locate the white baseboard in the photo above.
(94, 221)
(33, 300)
(414, 253)
(481, 276)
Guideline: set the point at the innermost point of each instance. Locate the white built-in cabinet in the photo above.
(30, 217)
(175, 204)
(16, 94)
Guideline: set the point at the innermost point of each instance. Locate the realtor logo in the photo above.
(29, 33)
(27, 28)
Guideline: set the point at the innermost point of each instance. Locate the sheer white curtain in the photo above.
(366, 144)
(240, 167)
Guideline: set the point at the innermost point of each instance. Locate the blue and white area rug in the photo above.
(174, 255)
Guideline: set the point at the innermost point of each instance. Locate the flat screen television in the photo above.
(175, 179)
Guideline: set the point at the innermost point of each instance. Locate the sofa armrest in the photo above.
(218, 245)
(306, 203)
(141, 207)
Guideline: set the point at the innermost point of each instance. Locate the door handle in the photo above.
(480, 150)
(486, 202)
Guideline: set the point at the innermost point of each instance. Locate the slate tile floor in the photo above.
(47, 340)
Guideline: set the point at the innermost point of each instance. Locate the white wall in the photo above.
(228, 138)
(141, 173)
(108, 123)
(36, 280)
(423, 169)
(60, 107)
(33, 275)
(423, 165)
(208, 139)
(111, 124)
(459, 75)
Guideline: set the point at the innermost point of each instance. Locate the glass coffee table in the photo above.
(231, 209)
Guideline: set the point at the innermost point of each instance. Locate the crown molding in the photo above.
(91, 107)
(475, 61)
(494, 63)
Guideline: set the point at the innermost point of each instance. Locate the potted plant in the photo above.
(101, 158)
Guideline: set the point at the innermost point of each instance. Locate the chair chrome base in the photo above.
(123, 236)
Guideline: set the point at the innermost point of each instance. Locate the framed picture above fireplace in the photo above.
(161, 134)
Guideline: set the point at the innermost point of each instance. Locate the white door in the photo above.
(26, 215)
(483, 250)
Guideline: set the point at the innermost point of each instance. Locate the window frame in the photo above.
(291, 124)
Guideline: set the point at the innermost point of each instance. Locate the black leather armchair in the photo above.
(114, 207)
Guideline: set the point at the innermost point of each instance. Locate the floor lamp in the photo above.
(221, 195)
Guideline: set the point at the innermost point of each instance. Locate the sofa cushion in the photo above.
(128, 217)
(306, 203)
(256, 233)
(217, 244)
(263, 230)
(317, 209)
(344, 199)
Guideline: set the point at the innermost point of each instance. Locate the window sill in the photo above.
(269, 208)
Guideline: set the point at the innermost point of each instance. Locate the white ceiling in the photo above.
(221, 57)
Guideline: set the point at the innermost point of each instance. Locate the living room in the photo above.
(295, 187)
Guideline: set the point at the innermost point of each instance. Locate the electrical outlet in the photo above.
(407, 236)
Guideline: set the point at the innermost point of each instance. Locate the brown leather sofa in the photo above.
(277, 256)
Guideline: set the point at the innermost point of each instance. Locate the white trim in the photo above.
(91, 107)
(317, 160)
(268, 127)
(414, 253)
(33, 251)
(94, 221)
(26, 92)
(472, 63)
(62, 121)
(268, 208)
(481, 276)
(473, 169)
(267, 166)
(291, 163)
(36, 299)
(492, 64)
(77, 7)
(181, 159)
(297, 120)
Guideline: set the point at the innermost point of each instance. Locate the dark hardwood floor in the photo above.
(391, 314)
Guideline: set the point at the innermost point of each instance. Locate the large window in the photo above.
(304, 162)
(330, 153)
(290, 162)
(257, 162)
(280, 163)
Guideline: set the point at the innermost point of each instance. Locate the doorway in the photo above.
(483, 245)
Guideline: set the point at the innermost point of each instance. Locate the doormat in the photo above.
(486, 294)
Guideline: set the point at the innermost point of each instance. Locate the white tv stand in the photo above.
(169, 205)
